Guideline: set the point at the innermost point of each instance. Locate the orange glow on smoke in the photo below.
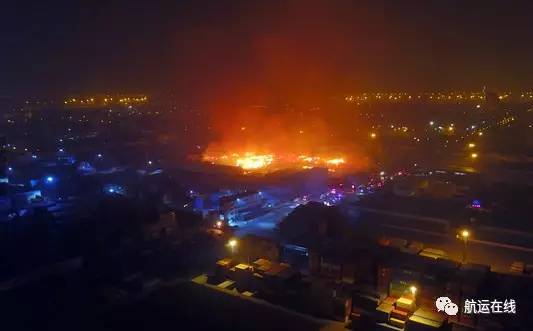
(260, 138)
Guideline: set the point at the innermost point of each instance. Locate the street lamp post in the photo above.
(464, 236)
(232, 245)
(412, 290)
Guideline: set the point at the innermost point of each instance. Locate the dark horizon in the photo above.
(252, 52)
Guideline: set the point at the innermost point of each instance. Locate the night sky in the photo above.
(256, 50)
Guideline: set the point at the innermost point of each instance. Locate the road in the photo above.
(265, 225)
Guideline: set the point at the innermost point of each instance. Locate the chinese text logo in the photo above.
(445, 304)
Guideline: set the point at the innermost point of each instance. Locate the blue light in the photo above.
(10, 169)
(49, 179)
(34, 156)
(85, 166)
(99, 155)
(113, 189)
(61, 150)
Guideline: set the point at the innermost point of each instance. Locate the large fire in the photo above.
(263, 139)
(250, 161)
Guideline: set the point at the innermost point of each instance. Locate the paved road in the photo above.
(265, 225)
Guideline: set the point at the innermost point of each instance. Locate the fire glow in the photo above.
(335, 161)
(251, 161)
(266, 139)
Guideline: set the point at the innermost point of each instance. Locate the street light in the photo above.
(474, 155)
(413, 290)
(465, 234)
(232, 245)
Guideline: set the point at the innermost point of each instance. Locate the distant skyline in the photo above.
(255, 51)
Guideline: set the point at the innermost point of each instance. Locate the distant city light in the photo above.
(474, 155)
(150, 162)
(471, 145)
(10, 169)
(373, 135)
(49, 179)
(431, 123)
(478, 106)
(99, 155)
(61, 150)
